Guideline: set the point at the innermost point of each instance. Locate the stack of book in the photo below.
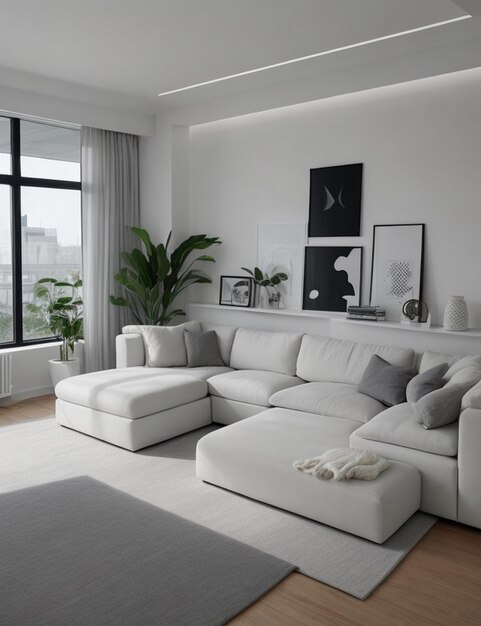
(372, 313)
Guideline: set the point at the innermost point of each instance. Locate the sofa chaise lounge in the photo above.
(287, 396)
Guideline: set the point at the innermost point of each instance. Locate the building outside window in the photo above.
(40, 219)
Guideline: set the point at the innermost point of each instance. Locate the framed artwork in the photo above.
(335, 201)
(236, 291)
(332, 278)
(397, 266)
(280, 248)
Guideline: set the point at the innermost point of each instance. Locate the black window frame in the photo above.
(16, 181)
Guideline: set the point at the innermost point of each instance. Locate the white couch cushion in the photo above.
(456, 362)
(472, 399)
(202, 373)
(225, 338)
(252, 386)
(263, 350)
(397, 425)
(132, 392)
(322, 359)
(164, 345)
(335, 399)
(254, 457)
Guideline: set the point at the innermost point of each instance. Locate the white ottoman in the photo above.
(132, 407)
(254, 457)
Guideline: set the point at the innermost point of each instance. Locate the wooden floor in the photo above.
(438, 583)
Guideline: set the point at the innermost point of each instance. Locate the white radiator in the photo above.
(5, 375)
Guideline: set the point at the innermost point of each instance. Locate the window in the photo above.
(40, 219)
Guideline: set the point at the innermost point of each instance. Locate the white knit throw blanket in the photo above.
(344, 464)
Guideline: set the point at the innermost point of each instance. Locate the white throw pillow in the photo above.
(164, 345)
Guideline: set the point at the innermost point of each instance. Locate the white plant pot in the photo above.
(63, 369)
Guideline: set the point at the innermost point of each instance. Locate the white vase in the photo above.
(63, 369)
(456, 314)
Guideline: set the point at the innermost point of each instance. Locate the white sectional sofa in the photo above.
(299, 393)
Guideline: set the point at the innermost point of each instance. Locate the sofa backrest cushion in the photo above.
(164, 345)
(225, 338)
(265, 350)
(472, 399)
(456, 362)
(342, 361)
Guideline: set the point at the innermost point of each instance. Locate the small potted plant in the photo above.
(270, 284)
(59, 308)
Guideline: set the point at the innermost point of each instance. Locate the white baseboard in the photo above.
(25, 395)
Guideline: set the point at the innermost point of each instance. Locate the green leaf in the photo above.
(144, 236)
(63, 283)
(41, 292)
(163, 262)
(258, 275)
(118, 301)
(248, 271)
(46, 280)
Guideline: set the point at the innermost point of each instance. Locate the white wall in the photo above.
(420, 143)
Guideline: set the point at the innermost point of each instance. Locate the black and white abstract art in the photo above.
(332, 278)
(397, 264)
(335, 201)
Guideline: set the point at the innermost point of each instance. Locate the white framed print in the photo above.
(397, 266)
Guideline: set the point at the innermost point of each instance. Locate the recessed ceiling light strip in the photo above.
(316, 55)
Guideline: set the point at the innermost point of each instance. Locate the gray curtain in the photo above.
(110, 204)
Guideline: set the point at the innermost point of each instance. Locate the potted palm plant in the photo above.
(58, 307)
(153, 278)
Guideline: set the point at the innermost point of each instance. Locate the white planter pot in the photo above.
(456, 314)
(63, 369)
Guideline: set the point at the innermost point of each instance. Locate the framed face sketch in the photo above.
(397, 266)
(236, 291)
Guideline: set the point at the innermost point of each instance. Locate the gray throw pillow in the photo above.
(424, 383)
(202, 349)
(385, 382)
(440, 407)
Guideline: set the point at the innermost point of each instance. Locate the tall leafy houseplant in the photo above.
(59, 307)
(153, 278)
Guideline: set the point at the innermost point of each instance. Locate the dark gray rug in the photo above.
(164, 475)
(79, 552)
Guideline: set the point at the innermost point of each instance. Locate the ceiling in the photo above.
(125, 52)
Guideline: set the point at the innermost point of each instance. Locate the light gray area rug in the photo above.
(164, 475)
(79, 552)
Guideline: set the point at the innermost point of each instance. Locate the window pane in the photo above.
(6, 301)
(51, 244)
(49, 151)
(5, 149)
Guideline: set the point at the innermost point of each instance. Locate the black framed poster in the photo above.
(335, 201)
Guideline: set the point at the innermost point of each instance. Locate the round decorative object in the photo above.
(456, 314)
(415, 311)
